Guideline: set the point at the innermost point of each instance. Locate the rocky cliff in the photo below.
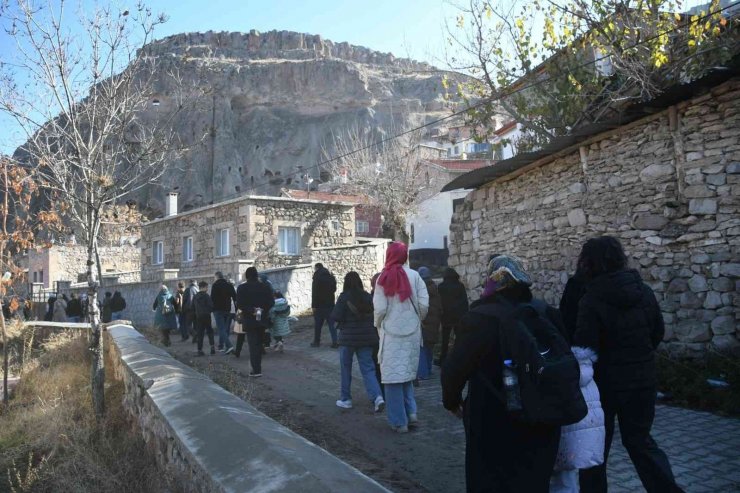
(272, 101)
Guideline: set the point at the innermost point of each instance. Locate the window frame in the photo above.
(283, 242)
(365, 229)
(158, 252)
(220, 253)
(187, 248)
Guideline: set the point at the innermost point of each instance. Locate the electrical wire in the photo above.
(488, 100)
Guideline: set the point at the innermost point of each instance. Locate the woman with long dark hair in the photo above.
(357, 336)
(619, 318)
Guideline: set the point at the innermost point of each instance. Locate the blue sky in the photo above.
(412, 28)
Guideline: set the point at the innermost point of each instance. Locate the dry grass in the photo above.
(50, 441)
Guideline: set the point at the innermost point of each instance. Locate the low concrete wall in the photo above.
(208, 440)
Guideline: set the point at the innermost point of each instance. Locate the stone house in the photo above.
(368, 220)
(664, 178)
(68, 263)
(267, 232)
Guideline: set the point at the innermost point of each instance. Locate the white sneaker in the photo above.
(344, 404)
(280, 346)
(379, 404)
(413, 420)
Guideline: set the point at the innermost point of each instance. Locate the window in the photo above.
(411, 233)
(35, 277)
(158, 252)
(222, 243)
(187, 249)
(362, 227)
(456, 151)
(456, 203)
(335, 225)
(289, 240)
(41, 275)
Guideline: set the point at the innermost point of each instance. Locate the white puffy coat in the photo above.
(399, 329)
(582, 443)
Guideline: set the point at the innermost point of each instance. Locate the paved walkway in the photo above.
(300, 386)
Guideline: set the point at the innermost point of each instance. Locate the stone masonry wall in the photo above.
(253, 224)
(366, 259)
(67, 262)
(668, 187)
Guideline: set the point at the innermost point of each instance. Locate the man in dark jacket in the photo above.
(222, 295)
(322, 301)
(429, 326)
(454, 305)
(619, 318)
(74, 309)
(188, 329)
(254, 300)
(203, 309)
(117, 305)
(501, 454)
(107, 312)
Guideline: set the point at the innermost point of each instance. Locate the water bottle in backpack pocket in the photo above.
(546, 372)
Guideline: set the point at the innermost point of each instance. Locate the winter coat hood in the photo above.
(622, 289)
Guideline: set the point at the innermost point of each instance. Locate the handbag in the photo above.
(167, 308)
(238, 320)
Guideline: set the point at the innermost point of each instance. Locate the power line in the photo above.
(483, 102)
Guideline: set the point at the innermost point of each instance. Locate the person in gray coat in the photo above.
(357, 335)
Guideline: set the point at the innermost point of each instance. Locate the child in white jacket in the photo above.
(582, 443)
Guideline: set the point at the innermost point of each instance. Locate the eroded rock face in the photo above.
(273, 100)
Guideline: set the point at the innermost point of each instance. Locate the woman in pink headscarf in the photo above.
(401, 303)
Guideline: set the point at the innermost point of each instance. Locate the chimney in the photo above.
(170, 206)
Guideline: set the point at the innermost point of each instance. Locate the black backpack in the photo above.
(547, 371)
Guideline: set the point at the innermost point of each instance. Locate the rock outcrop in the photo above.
(272, 102)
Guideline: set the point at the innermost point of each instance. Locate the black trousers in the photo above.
(635, 410)
(446, 330)
(255, 342)
(202, 327)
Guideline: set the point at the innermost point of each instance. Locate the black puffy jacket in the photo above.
(323, 287)
(355, 323)
(250, 295)
(620, 319)
(222, 293)
(454, 301)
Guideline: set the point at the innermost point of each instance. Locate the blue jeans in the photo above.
(116, 316)
(223, 320)
(74, 319)
(399, 402)
(320, 314)
(425, 363)
(367, 368)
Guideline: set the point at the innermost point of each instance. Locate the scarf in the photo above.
(393, 278)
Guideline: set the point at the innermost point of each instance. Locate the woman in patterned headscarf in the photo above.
(501, 454)
(401, 301)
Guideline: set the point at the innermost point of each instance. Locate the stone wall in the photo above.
(295, 284)
(208, 440)
(253, 223)
(667, 186)
(67, 262)
(366, 259)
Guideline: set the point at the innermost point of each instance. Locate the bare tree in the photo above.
(389, 170)
(84, 94)
(552, 65)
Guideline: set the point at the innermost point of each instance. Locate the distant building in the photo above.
(229, 236)
(428, 226)
(368, 220)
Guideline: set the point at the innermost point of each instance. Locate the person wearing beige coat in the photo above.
(399, 329)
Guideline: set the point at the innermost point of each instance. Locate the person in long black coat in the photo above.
(455, 304)
(619, 318)
(250, 296)
(501, 455)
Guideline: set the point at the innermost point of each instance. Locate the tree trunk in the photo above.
(6, 394)
(97, 370)
(98, 265)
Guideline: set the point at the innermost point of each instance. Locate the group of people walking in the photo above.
(74, 309)
(614, 325)
(248, 310)
(544, 384)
